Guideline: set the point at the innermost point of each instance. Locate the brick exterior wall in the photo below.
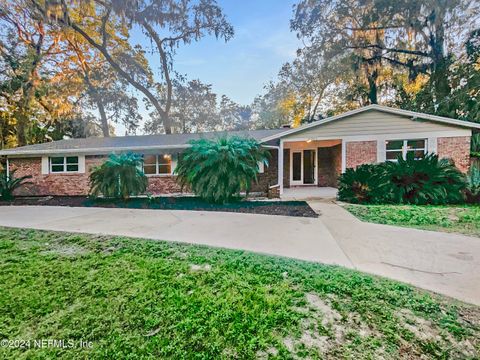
(360, 152)
(74, 184)
(269, 176)
(53, 184)
(329, 165)
(455, 148)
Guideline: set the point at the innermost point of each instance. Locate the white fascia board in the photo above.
(87, 151)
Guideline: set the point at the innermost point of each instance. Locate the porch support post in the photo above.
(344, 155)
(280, 166)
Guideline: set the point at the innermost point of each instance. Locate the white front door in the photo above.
(303, 167)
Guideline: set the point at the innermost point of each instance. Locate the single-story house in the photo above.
(310, 155)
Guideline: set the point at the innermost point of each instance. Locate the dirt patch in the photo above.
(427, 332)
(283, 208)
(324, 328)
(65, 250)
(205, 267)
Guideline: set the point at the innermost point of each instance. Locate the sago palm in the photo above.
(8, 183)
(218, 170)
(425, 181)
(120, 176)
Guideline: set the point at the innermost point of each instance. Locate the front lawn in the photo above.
(148, 299)
(285, 208)
(463, 219)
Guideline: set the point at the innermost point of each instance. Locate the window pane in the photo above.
(150, 159)
(393, 155)
(150, 169)
(72, 167)
(57, 168)
(56, 160)
(394, 144)
(165, 159)
(419, 154)
(297, 166)
(164, 169)
(416, 144)
(72, 160)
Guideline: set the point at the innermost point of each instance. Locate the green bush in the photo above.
(8, 183)
(367, 184)
(425, 181)
(473, 185)
(218, 170)
(120, 176)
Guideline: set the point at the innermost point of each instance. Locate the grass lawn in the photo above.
(148, 299)
(463, 219)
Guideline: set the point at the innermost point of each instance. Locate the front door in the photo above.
(302, 167)
(309, 167)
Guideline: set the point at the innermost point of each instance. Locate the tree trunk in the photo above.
(100, 106)
(372, 87)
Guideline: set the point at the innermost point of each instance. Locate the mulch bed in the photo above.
(286, 208)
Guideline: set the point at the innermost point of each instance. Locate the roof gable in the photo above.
(411, 115)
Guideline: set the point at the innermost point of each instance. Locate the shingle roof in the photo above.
(138, 142)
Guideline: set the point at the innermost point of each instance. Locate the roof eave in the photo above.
(88, 151)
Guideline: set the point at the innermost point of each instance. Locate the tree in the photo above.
(408, 35)
(168, 24)
(218, 170)
(194, 108)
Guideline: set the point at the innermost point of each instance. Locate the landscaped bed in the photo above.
(286, 208)
(463, 219)
(149, 299)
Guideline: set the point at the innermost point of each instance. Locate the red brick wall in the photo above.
(270, 175)
(75, 184)
(52, 184)
(360, 152)
(455, 148)
(329, 165)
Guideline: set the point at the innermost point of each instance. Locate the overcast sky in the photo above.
(240, 67)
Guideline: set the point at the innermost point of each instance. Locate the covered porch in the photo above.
(309, 168)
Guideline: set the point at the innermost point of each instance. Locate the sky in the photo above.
(242, 66)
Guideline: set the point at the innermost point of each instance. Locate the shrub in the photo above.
(367, 184)
(8, 183)
(473, 185)
(218, 170)
(120, 176)
(425, 181)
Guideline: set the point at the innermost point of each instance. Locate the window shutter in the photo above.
(81, 164)
(45, 165)
(432, 145)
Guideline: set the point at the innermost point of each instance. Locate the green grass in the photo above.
(148, 299)
(463, 219)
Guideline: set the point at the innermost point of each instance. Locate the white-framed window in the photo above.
(396, 148)
(157, 164)
(63, 164)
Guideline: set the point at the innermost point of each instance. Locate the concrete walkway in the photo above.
(301, 238)
(441, 262)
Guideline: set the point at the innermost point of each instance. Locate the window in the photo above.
(396, 148)
(63, 164)
(157, 164)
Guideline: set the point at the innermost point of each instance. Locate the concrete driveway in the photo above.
(444, 263)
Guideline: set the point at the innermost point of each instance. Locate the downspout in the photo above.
(8, 168)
